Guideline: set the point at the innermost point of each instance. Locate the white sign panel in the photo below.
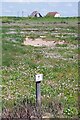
(39, 77)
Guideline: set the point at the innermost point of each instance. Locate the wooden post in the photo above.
(38, 93)
(39, 78)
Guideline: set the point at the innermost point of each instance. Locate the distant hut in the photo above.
(35, 14)
(53, 14)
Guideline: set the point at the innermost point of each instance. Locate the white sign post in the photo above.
(39, 78)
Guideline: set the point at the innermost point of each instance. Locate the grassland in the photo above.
(58, 64)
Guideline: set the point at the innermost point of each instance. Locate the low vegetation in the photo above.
(58, 64)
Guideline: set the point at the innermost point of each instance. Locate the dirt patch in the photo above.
(41, 42)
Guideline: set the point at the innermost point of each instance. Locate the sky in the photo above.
(39, 0)
(22, 8)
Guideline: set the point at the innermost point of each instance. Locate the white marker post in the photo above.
(39, 78)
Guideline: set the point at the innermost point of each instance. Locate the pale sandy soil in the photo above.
(41, 42)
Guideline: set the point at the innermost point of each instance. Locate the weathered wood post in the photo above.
(39, 78)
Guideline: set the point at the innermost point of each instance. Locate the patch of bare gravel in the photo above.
(41, 42)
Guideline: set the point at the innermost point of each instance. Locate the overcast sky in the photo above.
(39, 0)
(20, 7)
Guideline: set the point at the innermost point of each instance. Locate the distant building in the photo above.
(35, 14)
(53, 14)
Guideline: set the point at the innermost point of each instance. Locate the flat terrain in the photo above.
(41, 45)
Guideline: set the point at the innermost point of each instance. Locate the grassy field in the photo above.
(58, 64)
